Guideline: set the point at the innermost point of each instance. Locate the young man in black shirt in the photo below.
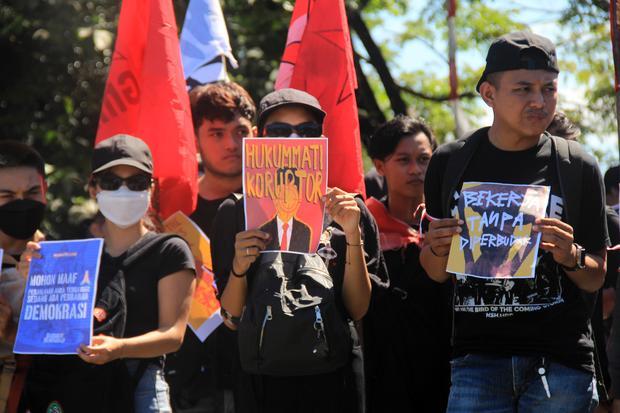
(22, 207)
(532, 350)
(223, 114)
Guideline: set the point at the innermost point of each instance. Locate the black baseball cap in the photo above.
(287, 96)
(520, 50)
(122, 150)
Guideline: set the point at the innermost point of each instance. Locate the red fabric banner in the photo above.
(146, 96)
(319, 60)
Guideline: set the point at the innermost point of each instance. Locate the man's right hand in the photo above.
(439, 235)
(32, 251)
(248, 246)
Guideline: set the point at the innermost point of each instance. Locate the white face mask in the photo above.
(123, 207)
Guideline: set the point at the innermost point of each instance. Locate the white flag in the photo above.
(205, 44)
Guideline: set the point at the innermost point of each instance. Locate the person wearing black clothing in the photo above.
(22, 207)
(207, 373)
(522, 345)
(408, 325)
(141, 308)
(235, 251)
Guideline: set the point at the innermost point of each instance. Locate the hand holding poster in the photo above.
(497, 239)
(57, 311)
(284, 180)
(204, 312)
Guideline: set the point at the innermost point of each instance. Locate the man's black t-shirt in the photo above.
(205, 212)
(141, 281)
(545, 315)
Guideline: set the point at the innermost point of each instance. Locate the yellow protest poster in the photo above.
(204, 313)
(497, 240)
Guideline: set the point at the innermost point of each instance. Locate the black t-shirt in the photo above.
(407, 338)
(205, 213)
(546, 315)
(170, 256)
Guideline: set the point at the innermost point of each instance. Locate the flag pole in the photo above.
(614, 20)
(454, 86)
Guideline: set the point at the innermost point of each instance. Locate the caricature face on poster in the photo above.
(497, 240)
(284, 180)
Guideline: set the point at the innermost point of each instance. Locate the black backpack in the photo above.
(291, 324)
(77, 386)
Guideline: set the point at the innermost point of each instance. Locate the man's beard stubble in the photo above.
(208, 167)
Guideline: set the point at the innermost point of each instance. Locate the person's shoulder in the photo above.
(173, 242)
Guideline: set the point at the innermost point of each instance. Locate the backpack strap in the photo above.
(457, 164)
(569, 165)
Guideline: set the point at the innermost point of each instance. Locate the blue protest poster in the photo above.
(1, 257)
(57, 311)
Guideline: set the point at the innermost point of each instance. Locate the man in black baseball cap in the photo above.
(521, 344)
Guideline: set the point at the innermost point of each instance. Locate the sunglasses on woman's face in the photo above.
(281, 130)
(111, 182)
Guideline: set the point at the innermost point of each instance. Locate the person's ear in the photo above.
(92, 190)
(488, 92)
(253, 132)
(379, 166)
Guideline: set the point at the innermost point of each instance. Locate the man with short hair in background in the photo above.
(22, 207)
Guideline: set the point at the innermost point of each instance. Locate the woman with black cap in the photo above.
(145, 285)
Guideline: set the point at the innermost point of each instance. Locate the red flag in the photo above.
(146, 96)
(319, 60)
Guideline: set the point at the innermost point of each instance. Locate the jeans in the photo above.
(152, 394)
(493, 384)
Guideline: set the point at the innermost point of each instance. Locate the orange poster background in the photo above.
(260, 210)
(204, 313)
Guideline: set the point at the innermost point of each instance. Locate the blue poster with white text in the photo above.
(57, 311)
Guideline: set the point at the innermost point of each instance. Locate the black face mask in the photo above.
(21, 218)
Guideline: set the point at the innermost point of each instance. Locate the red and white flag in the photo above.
(146, 96)
(319, 60)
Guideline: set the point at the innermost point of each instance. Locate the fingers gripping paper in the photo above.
(497, 240)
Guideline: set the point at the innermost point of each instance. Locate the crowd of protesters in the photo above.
(395, 331)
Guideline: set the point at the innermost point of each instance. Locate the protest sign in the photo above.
(284, 180)
(497, 239)
(57, 311)
(1, 258)
(204, 313)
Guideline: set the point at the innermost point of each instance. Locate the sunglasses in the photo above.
(111, 182)
(281, 130)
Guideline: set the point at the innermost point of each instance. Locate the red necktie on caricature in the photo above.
(284, 243)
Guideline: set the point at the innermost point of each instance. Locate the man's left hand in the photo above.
(557, 238)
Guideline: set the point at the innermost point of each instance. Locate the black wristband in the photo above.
(435, 254)
(232, 270)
